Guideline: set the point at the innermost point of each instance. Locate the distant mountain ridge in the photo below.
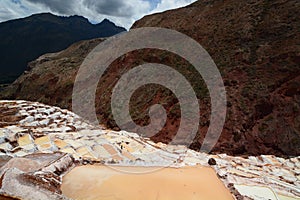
(28, 38)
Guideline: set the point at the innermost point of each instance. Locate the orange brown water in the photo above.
(102, 182)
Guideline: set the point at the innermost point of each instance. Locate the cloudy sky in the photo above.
(122, 12)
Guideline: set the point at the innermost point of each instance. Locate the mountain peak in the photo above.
(107, 21)
(44, 33)
(43, 14)
(78, 17)
(50, 16)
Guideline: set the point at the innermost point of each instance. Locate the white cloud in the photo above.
(171, 4)
(10, 10)
(124, 15)
(122, 12)
(18, 9)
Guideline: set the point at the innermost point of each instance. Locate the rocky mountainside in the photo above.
(28, 38)
(255, 45)
(50, 78)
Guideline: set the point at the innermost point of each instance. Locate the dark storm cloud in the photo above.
(122, 12)
(60, 6)
(117, 8)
